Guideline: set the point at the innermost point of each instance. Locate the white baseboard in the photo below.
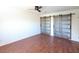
(12, 41)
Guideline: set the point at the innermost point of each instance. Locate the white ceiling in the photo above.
(51, 9)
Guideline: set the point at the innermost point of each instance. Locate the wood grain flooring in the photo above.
(41, 44)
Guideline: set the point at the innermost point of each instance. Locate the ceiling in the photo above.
(51, 9)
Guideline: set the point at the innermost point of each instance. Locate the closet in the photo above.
(62, 26)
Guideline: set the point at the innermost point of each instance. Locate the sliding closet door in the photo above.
(62, 26)
(57, 26)
(45, 25)
(48, 25)
(66, 26)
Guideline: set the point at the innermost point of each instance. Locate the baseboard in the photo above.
(5, 43)
(75, 42)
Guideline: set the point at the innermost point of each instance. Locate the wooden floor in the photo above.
(41, 44)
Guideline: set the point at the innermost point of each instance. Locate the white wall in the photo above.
(17, 23)
(52, 30)
(75, 22)
(75, 26)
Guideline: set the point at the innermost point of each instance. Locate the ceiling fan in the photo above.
(36, 8)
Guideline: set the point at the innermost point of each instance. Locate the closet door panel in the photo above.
(57, 30)
(42, 24)
(46, 25)
(66, 26)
